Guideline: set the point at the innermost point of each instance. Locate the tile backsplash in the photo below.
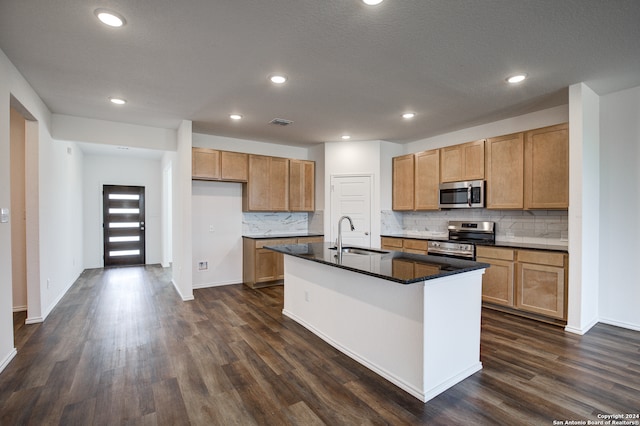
(274, 223)
(529, 226)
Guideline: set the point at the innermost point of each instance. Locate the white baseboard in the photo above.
(21, 308)
(8, 359)
(216, 284)
(33, 320)
(184, 299)
(622, 324)
(583, 329)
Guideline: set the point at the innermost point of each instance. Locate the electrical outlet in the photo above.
(306, 296)
(211, 228)
(203, 266)
(48, 283)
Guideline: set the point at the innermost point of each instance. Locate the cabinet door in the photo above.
(267, 265)
(497, 282)
(403, 182)
(462, 162)
(427, 180)
(505, 172)
(546, 168)
(473, 160)
(205, 164)
(301, 185)
(451, 163)
(234, 166)
(541, 289)
(279, 184)
(256, 191)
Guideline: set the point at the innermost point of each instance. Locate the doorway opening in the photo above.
(123, 225)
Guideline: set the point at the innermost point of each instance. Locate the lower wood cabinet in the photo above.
(262, 267)
(407, 245)
(526, 281)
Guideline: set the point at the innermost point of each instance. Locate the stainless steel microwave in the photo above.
(462, 195)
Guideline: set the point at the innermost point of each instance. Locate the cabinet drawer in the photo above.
(392, 242)
(541, 257)
(495, 253)
(308, 240)
(420, 245)
(275, 242)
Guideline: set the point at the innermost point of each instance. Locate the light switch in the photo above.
(4, 215)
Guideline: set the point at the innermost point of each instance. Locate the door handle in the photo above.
(366, 233)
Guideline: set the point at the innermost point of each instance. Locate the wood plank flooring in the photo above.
(121, 348)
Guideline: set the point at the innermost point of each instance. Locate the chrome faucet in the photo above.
(339, 242)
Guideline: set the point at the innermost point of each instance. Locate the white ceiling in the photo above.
(352, 68)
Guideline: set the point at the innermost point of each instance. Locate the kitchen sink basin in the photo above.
(360, 251)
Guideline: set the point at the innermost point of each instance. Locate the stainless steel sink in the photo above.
(360, 251)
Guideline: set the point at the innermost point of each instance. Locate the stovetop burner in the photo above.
(463, 235)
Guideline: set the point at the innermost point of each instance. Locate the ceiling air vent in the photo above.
(280, 122)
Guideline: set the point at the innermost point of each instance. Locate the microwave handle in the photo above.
(469, 195)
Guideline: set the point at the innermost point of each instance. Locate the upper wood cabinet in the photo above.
(505, 172)
(212, 164)
(302, 185)
(462, 162)
(427, 181)
(403, 182)
(205, 164)
(546, 168)
(234, 166)
(415, 181)
(268, 186)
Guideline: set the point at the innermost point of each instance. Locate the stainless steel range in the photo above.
(463, 236)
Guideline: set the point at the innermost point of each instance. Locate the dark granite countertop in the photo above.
(505, 244)
(273, 236)
(403, 268)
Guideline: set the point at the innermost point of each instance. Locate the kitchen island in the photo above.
(413, 319)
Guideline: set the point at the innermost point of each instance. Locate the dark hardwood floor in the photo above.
(122, 348)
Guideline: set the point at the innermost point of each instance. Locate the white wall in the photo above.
(102, 170)
(53, 202)
(620, 208)
(547, 117)
(90, 130)
(182, 238)
(353, 158)
(249, 146)
(217, 233)
(584, 201)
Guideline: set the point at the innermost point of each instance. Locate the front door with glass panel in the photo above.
(123, 212)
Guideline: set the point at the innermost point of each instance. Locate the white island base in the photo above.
(423, 337)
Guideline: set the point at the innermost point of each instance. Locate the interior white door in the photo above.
(351, 196)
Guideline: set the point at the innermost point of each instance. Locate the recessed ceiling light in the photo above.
(516, 78)
(110, 18)
(278, 79)
(372, 2)
(118, 101)
(235, 117)
(408, 115)
(346, 137)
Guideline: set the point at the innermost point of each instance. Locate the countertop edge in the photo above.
(476, 266)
